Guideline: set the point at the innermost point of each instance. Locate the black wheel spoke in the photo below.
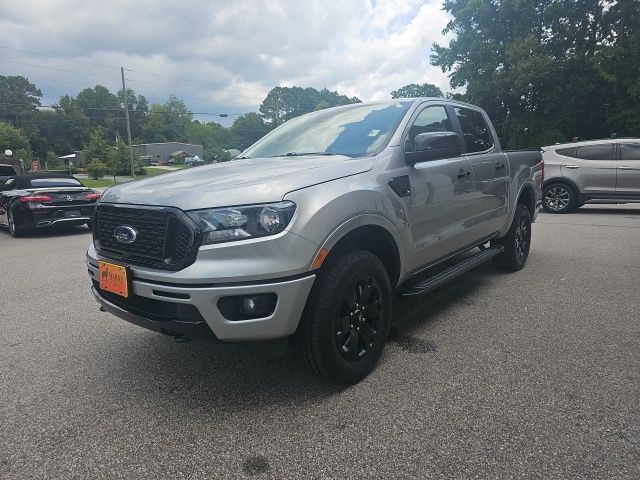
(371, 310)
(358, 316)
(366, 290)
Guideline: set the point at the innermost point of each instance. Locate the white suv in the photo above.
(595, 171)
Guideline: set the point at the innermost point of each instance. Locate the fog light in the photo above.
(247, 307)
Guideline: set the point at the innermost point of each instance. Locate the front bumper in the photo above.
(291, 298)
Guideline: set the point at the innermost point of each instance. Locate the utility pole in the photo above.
(126, 112)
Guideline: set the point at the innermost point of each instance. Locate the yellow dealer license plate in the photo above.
(113, 278)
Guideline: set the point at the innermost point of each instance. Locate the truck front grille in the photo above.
(166, 237)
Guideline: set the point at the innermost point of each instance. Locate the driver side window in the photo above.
(431, 119)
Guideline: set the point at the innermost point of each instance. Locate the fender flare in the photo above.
(368, 219)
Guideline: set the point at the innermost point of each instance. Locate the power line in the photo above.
(190, 80)
(216, 85)
(135, 80)
(59, 69)
(101, 65)
(58, 107)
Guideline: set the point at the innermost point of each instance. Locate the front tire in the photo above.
(559, 198)
(346, 320)
(516, 243)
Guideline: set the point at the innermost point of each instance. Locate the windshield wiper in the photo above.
(304, 154)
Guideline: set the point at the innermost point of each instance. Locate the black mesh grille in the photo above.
(163, 239)
(157, 310)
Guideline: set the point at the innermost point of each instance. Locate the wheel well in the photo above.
(528, 198)
(564, 181)
(376, 240)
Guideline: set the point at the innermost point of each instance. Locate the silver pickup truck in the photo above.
(313, 230)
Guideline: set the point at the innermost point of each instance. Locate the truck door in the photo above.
(490, 173)
(628, 166)
(441, 194)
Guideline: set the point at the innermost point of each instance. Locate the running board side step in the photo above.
(439, 279)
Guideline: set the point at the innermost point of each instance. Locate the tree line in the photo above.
(547, 71)
(93, 121)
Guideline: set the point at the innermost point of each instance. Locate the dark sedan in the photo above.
(39, 200)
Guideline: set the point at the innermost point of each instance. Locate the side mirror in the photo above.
(433, 146)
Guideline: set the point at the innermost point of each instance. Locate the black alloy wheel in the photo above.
(522, 239)
(358, 323)
(347, 318)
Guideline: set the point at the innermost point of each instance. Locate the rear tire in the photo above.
(516, 243)
(559, 198)
(346, 320)
(14, 230)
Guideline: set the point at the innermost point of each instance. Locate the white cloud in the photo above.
(227, 53)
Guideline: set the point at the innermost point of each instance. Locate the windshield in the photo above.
(54, 182)
(356, 130)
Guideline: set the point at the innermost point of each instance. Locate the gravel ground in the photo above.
(528, 375)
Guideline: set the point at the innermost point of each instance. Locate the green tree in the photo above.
(96, 169)
(102, 108)
(12, 138)
(97, 148)
(247, 129)
(19, 100)
(545, 70)
(285, 103)
(413, 90)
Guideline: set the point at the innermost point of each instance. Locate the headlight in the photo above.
(235, 223)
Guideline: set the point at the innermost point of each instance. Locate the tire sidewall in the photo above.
(522, 213)
(325, 315)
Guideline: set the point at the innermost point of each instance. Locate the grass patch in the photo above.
(153, 171)
(102, 183)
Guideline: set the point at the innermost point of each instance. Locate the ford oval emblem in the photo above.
(125, 234)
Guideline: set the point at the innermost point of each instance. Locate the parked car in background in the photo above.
(596, 171)
(312, 231)
(39, 200)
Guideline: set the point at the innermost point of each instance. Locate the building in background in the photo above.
(76, 158)
(164, 153)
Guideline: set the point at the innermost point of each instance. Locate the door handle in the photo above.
(499, 166)
(573, 167)
(625, 168)
(463, 174)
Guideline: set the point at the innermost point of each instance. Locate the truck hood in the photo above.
(238, 182)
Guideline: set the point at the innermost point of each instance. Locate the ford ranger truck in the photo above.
(314, 230)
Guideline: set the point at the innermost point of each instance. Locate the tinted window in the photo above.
(7, 170)
(54, 182)
(431, 119)
(600, 151)
(356, 130)
(567, 152)
(475, 130)
(630, 151)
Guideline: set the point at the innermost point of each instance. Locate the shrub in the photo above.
(96, 169)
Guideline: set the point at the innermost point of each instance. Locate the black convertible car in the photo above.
(39, 200)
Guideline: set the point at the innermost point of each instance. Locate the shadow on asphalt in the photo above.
(53, 232)
(250, 377)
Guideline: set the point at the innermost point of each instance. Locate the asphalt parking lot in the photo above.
(527, 375)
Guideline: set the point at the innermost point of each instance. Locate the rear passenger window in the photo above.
(600, 151)
(630, 151)
(477, 136)
(567, 152)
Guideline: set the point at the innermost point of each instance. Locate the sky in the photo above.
(221, 56)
